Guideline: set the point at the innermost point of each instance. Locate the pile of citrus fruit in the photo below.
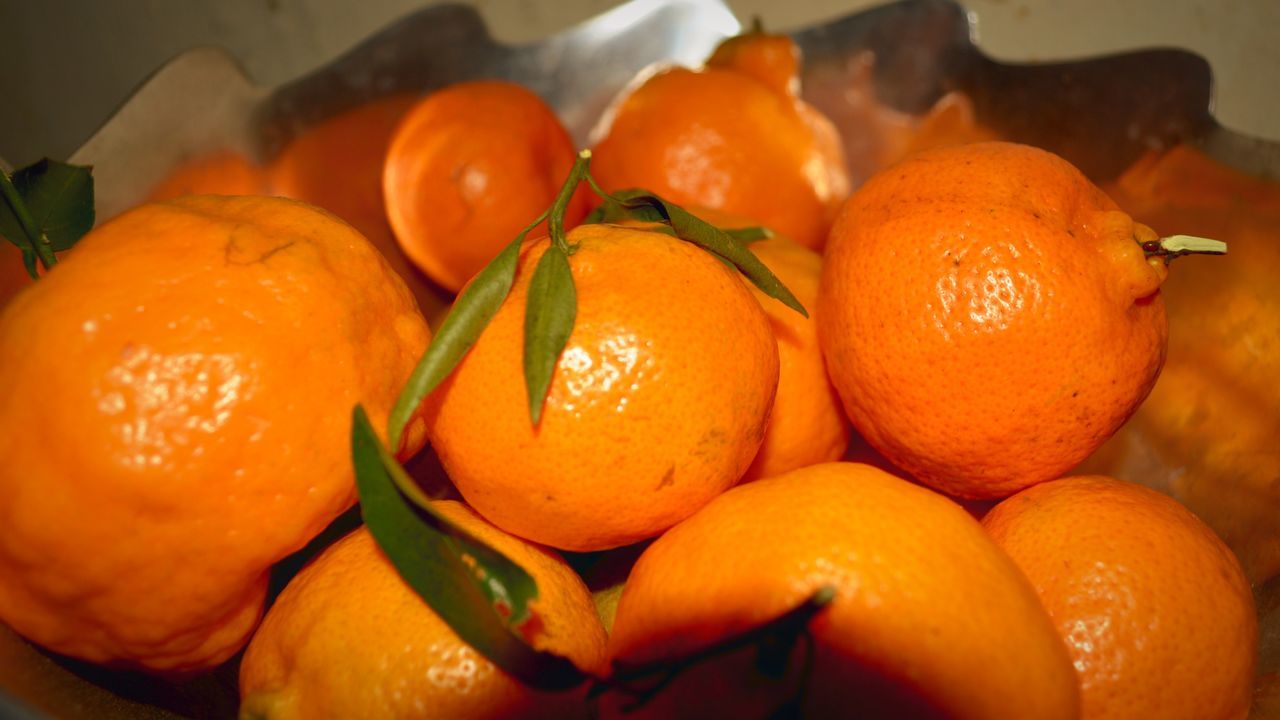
(662, 355)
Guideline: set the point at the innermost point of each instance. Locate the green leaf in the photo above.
(748, 234)
(29, 262)
(612, 211)
(482, 595)
(693, 229)
(772, 642)
(59, 199)
(550, 311)
(467, 319)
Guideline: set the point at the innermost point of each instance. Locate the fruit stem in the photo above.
(36, 241)
(645, 680)
(555, 221)
(1178, 245)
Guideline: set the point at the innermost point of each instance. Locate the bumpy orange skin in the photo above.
(1155, 610)
(348, 638)
(468, 168)
(929, 619)
(988, 316)
(658, 403)
(729, 138)
(175, 404)
(337, 164)
(807, 425)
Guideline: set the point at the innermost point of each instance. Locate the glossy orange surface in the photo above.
(182, 346)
(337, 165)
(218, 173)
(326, 651)
(1209, 434)
(658, 402)
(988, 316)
(929, 619)
(468, 168)
(808, 424)
(1153, 607)
(729, 139)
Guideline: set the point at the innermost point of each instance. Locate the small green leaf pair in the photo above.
(47, 207)
(728, 245)
(479, 592)
(551, 308)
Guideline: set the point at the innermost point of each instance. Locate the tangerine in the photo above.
(175, 399)
(468, 168)
(657, 403)
(348, 638)
(733, 136)
(1154, 609)
(929, 617)
(988, 316)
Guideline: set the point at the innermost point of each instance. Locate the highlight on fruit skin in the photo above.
(1153, 607)
(929, 618)
(163, 437)
(349, 638)
(989, 316)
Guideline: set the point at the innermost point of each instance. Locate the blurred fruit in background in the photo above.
(337, 164)
(468, 168)
(732, 136)
(1210, 432)
(224, 172)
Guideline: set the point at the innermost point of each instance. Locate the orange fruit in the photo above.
(175, 408)
(1154, 609)
(13, 274)
(337, 165)
(224, 172)
(929, 618)
(348, 638)
(1207, 433)
(733, 136)
(657, 404)
(468, 168)
(988, 316)
(807, 425)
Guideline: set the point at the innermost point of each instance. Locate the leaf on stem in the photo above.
(467, 319)
(480, 593)
(643, 681)
(550, 311)
(59, 199)
(643, 205)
